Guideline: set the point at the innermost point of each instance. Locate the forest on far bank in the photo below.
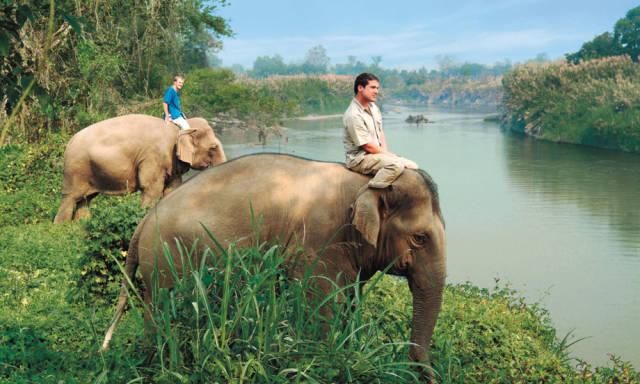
(592, 98)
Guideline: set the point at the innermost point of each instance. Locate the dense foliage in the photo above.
(24, 197)
(107, 233)
(240, 320)
(324, 94)
(212, 91)
(74, 62)
(593, 103)
(625, 40)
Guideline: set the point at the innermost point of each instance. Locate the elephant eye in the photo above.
(420, 240)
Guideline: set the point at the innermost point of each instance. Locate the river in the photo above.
(560, 223)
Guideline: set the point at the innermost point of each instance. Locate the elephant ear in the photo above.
(186, 145)
(366, 215)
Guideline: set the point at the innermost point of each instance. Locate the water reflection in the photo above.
(606, 184)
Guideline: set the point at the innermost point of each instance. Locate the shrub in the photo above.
(212, 91)
(31, 177)
(108, 232)
(593, 103)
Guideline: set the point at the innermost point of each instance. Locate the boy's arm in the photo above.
(167, 116)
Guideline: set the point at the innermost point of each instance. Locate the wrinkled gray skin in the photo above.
(317, 203)
(126, 154)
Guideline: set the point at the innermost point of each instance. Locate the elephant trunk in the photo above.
(427, 300)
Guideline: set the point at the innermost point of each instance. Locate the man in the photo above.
(364, 141)
(171, 104)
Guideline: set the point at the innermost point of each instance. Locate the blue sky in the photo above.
(413, 33)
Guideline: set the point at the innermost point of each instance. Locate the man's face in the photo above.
(370, 92)
(179, 83)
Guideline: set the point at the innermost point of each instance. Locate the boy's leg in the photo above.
(181, 122)
(385, 167)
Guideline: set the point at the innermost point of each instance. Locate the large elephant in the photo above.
(329, 209)
(129, 153)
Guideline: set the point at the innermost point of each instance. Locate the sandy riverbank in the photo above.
(317, 117)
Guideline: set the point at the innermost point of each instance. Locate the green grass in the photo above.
(237, 319)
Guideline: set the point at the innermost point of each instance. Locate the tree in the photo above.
(265, 66)
(316, 60)
(83, 58)
(625, 40)
(375, 61)
(445, 64)
(602, 45)
(626, 34)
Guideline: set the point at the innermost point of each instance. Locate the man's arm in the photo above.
(373, 148)
(383, 140)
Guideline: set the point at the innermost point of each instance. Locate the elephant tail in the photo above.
(131, 265)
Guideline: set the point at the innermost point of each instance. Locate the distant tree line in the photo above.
(317, 62)
(625, 40)
(65, 62)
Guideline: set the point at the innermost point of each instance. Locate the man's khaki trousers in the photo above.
(386, 167)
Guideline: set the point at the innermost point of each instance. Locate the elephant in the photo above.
(129, 153)
(353, 229)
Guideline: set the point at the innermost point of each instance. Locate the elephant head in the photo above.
(403, 223)
(204, 147)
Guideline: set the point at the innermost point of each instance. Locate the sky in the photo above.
(410, 34)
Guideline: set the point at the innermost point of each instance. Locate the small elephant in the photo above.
(129, 153)
(354, 230)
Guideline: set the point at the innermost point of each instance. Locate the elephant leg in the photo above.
(149, 327)
(67, 206)
(82, 210)
(151, 180)
(328, 279)
(174, 183)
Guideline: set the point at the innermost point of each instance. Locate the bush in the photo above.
(108, 232)
(212, 91)
(593, 103)
(323, 94)
(31, 177)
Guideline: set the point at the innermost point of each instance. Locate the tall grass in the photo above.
(594, 103)
(237, 317)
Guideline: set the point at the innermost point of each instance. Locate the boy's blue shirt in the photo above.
(172, 99)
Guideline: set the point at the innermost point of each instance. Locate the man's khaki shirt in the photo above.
(361, 126)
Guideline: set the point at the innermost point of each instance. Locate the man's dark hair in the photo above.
(363, 79)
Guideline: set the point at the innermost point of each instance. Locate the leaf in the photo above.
(4, 44)
(24, 13)
(24, 82)
(73, 22)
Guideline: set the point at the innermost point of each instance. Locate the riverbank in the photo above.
(591, 103)
(313, 117)
(60, 284)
